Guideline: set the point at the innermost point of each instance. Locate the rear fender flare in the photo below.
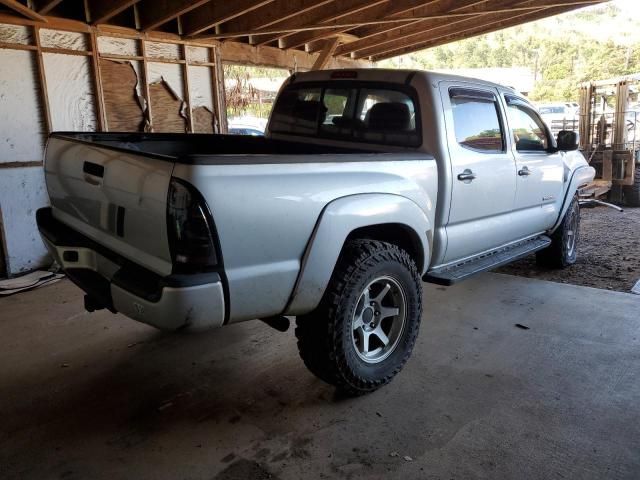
(338, 219)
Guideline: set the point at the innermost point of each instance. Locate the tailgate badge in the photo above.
(139, 308)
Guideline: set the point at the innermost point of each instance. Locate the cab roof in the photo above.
(387, 75)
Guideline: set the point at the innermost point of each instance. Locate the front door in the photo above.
(483, 171)
(540, 169)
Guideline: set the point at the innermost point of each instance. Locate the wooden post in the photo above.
(187, 94)
(43, 81)
(145, 84)
(219, 98)
(97, 84)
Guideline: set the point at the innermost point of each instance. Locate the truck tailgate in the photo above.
(117, 198)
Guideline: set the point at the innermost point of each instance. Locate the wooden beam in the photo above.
(326, 54)
(380, 13)
(45, 6)
(145, 88)
(187, 89)
(219, 93)
(382, 34)
(431, 8)
(275, 13)
(44, 95)
(100, 10)
(341, 9)
(154, 13)
(51, 22)
(214, 13)
(375, 12)
(244, 54)
(478, 29)
(468, 25)
(386, 34)
(22, 10)
(97, 84)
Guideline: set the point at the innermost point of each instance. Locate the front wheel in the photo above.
(364, 329)
(564, 241)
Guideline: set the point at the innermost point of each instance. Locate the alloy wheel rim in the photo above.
(379, 319)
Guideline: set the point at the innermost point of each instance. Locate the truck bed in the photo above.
(191, 148)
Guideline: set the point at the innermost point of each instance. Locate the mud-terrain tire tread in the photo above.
(632, 192)
(321, 341)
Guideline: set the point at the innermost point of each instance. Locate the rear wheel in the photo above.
(364, 329)
(564, 241)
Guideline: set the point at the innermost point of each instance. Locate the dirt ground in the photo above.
(608, 252)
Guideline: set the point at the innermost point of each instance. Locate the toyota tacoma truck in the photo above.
(366, 184)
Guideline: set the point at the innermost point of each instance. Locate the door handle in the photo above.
(524, 171)
(466, 176)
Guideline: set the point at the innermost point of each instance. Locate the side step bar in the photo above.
(455, 273)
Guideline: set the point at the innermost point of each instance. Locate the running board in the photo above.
(455, 273)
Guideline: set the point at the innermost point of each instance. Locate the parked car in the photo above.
(417, 177)
(248, 125)
(560, 116)
(245, 130)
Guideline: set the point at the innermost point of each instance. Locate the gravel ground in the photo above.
(608, 252)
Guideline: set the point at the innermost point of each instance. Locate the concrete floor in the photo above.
(102, 397)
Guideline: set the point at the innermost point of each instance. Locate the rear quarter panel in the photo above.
(266, 207)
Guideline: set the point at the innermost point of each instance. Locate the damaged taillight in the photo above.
(190, 228)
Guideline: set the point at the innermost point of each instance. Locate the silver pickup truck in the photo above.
(366, 183)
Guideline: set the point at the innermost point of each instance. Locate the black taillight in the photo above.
(190, 228)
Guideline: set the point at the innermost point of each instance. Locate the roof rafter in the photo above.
(340, 26)
(341, 9)
(471, 31)
(381, 34)
(439, 6)
(22, 10)
(45, 6)
(153, 13)
(214, 13)
(301, 38)
(390, 10)
(277, 12)
(101, 11)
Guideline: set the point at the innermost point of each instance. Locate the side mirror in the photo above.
(567, 140)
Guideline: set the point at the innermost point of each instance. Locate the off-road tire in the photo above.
(325, 336)
(632, 192)
(559, 254)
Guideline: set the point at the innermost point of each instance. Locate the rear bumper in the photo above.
(113, 282)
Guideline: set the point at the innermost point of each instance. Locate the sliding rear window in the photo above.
(349, 111)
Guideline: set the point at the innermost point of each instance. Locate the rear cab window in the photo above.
(365, 112)
(476, 120)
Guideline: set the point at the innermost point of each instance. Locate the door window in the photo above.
(529, 132)
(476, 120)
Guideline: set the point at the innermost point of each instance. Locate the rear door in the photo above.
(483, 171)
(114, 197)
(540, 169)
